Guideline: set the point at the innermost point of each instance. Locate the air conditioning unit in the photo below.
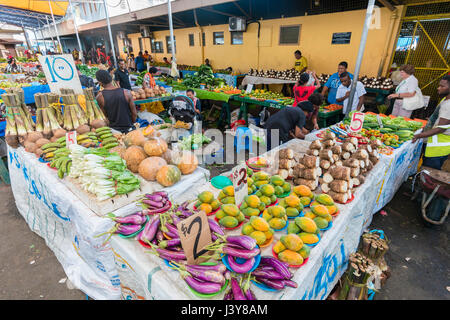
(237, 24)
(146, 33)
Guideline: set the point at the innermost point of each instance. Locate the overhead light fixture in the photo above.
(317, 3)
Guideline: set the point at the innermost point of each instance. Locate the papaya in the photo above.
(292, 241)
(303, 191)
(267, 189)
(292, 200)
(291, 257)
(247, 229)
(229, 222)
(228, 200)
(299, 207)
(229, 191)
(266, 200)
(277, 180)
(262, 206)
(221, 195)
(277, 223)
(324, 199)
(258, 194)
(306, 224)
(230, 209)
(215, 204)
(278, 191)
(310, 215)
(320, 210)
(266, 216)
(279, 247)
(259, 223)
(269, 233)
(314, 203)
(220, 214)
(304, 251)
(293, 228)
(286, 187)
(276, 211)
(328, 217)
(259, 236)
(249, 190)
(206, 197)
(321, 222)
(260, 183)
(240, 217)
(292, 212)
(332, 209)
(243, 206)
(260, 175)
(249, 212)
(273, 198)
(206, 207)
(282, 203)
(250, 181)
(252, 201)
(308, 238)
(305, 201)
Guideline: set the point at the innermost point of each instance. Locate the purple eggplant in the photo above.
(228, 295)
(153, 203)
(244, 241)
(154, 197)
(135, 218)
(249, 294)
(214, 237)
(290, 283)
(176, 248)
(268, 274)
(202, 287)
(169, 243)
(159, 235)
(126, 230)
(241, 268)
(206, 275)
(274, 284)
(171, 228)
(171, 254)
(150, 230)
(154, 241)
(237, 291)
(165, 208)
(265, 268)
(215, 227)
(175, 219)
(245, 254)
(216, 267)
(158, 193)
(278, 265)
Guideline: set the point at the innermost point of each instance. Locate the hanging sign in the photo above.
(60, 72)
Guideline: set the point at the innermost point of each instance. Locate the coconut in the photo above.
(38, 152)
(58, 133)
(53, 139)
(41, 142)
(12, 141)
(34, 136)
(97, 123)
(83, 129)
(30, 147)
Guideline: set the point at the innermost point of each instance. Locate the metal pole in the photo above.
(110, 34)
(26, 37)
(172, 42)
(56, 29)
(36, 39)
(76, 32)
(359, 58)
(43, 39)
(51, 36)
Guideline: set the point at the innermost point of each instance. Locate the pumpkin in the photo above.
(149, 167)
(133, 156)
(168, 175)
(134, 138)
(187, 162)
(155, 147)
(168, 156)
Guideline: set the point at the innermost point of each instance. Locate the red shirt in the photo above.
(302, 93)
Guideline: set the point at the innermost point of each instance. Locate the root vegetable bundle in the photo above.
(93, 113)
(46, 116)
(17, 123)
(74, 116)
(355, 281)
(307, 172)
(287, 163)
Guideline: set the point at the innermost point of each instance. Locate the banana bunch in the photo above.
(87, 140)
(106, 137)
(49, 150)
(61, 161)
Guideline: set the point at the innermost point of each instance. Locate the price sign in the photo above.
(240, 183)
(249, 88)
(60, 72)
(380, 123)
(194, 235)
(357, 122)
(71, 138)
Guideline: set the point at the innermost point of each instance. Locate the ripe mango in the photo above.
(267, 190)
(303, 191)
(305, 251)
(277, 223)
(230, 209)
(276, 211)
(324, 199)
(292, 201)
(259, 236)
(321, 223)
(252, 201)
(292, 212)
(309, 238)
(277, 180)
(291, 257)
(229, 222)
(279, 247)
(306, 224)
(293, 228)
(247, 229)
(206, 197)
(259, 223)
(229, 191)
(205, 207)
(320, 210)
(292, 241)
(220, 214)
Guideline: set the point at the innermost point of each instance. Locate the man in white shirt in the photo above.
(343, 93)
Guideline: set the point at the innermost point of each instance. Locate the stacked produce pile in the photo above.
(290, 74)
(377, 83)
(227, 89)
(94, 114)
(74, 116)
(47, 116)
(157, 91)
(229, 215)
(88, 71)
(206, 202)
(287, 162)
(263, 95)
(204, 76)
(291, 249)
(259, 229)
(307, 172)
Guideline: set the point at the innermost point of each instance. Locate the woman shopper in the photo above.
(408, 96)
(301, 90)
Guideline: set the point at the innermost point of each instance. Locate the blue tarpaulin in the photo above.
(29, 92)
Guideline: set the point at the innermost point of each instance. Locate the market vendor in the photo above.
(197, 104)
(438, 143)
(12, 66)
(301, 90)
(122, 76)
(333, 83)
(207, 63)
(116, 103)
(139, 61)
(343, 93)
(149, 78)
(290, 122)
(301, 64)
(314, 101)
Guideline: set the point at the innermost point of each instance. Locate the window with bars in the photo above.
(237, 37)
(168, 44)
(290, 34)
(191, 40)
(218, 38)
(157, 46)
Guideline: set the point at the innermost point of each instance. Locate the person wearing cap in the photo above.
(314, 102)
(301, 90)
(149, 79)
(290, 124)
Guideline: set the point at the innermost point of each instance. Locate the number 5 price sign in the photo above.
(240, 183)
(60, 72)
(194, 235)
(357, 122)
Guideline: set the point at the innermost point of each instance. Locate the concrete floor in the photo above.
(29, 269)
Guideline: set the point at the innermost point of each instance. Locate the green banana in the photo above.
(109, 140)
(69, 165)
(111, 145)
(103, 129)
(50, 145)
(105, 136)
(60, 173)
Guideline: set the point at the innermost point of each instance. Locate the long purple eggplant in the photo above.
(275, 284)
(206, 275)
(237, 291)
(135, 218)
(249, 294)
(173, 254)
(159, 235)
(278, 265)
(228, 295)
(290, 283)
(240, 268)
(150, 230)
(126, 230)
(171, 228)
(175, 218)
(214, 236)
(216, 267)
(275, 275)
(244, 241)
(169, 243)
(215, 227)
(160, 210)
(202, 287)
(245, 254)
(154, 197)
(158, 193)
(153, 203)
(172, 235)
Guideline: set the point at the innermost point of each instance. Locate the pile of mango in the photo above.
(276, 217)
(306, 228)
(252, 206)
(266, 194)
(259, 229)
(206, 202)
(280, 185)
(327, 201)
(291, 249)
(320, 215)
(304, 193)
(229, 216)
(226, 195)
(292, 204)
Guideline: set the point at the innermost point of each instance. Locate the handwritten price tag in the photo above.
(240, 183)
(71, 138)
(249, 88)
(357, 122)
(194, 235)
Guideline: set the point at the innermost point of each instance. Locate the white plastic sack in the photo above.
(150, 117)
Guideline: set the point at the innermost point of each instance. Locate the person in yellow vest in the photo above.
(438, 142)
(300, 62)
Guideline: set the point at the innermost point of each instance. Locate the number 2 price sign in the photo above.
(194, 235)
(357, 122)
(240, 183)
(60, 72)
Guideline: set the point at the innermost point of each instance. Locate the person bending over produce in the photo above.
(343, 93)
(315, 101)
(290, 122)
(116, 103)
(438, 143)
(333, 83)
(301, 90)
